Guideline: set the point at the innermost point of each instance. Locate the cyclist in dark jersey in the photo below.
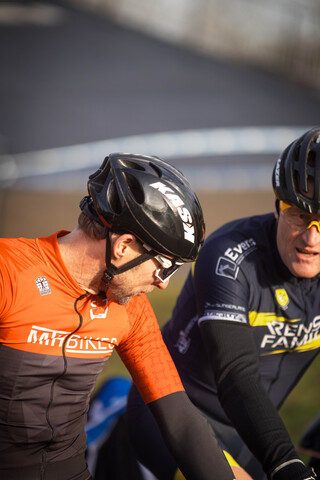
(246, 325)
(68, 300)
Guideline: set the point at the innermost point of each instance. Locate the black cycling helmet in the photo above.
(297, 164)
(151, 199)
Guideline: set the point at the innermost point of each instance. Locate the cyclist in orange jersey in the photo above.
(68, 300)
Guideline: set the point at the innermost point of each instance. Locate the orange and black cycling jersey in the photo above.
(54, 341)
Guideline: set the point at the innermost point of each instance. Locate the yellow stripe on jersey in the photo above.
(257, 319)
(192, 268)
(315, 343)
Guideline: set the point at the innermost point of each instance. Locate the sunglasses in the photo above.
(167, 266)
(299, 218)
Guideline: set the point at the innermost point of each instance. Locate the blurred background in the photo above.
(216, 87)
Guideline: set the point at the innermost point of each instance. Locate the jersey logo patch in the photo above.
(282, 298)
(227, 268)
(99, 309)
(228, 265)
(43, 286)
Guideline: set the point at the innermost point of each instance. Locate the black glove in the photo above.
(293, 470)
(309, 474)
(316, 468)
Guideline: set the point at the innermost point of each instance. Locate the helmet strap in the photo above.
(112, 270)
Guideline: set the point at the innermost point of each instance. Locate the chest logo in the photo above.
(99, 309)
(43, 286)
(282, 298)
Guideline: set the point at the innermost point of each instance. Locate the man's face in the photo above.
(137, 280)
(298, 241)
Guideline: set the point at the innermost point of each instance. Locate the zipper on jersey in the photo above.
(65, 362)
(43, 465)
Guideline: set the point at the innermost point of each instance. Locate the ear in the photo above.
(123, 244)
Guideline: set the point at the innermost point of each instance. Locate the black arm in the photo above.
(233, 356)
(190, 438)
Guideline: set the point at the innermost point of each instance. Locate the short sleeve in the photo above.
(7, 290)
(145, 354)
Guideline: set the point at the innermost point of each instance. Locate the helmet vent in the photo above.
(131, 164)
(312, 159)
(156, 169)
(113, 198)
(100, 176)
(296, 180)
(134, 188)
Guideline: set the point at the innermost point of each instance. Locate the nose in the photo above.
(311, 234)
(162, 285)
(314, 223)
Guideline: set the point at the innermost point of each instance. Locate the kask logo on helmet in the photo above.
(184, 213)
(277, 173)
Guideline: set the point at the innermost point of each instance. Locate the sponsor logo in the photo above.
(74, 343)
(226, 268)
(241, 250)
(216, 315)
(99, 309)
(184, 339)
(224, 306)
(282, 298)
(277, 173)
(283, 335)
(184, 213)
(183, 343)
(228, 265)
(43, 286)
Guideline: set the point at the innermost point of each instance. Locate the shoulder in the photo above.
(12, 261)
(139, 310)
(240, 236)
(18, 250)
(243, 227)
(236, 247)
(14, 254)
(138, 302)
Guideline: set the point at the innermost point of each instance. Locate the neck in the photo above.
(84, 258)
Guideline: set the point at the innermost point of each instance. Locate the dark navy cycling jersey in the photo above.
(240, 283)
